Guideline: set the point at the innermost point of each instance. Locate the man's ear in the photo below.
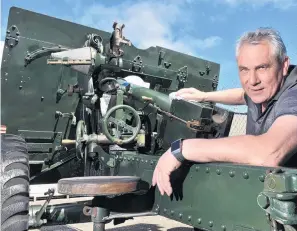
(286, 65)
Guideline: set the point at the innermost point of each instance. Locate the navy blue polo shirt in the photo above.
(283, 103)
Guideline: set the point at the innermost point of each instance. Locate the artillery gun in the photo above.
(104, 139)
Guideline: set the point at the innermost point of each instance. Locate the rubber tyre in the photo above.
(14, 183)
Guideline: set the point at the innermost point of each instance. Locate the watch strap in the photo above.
(176, 150)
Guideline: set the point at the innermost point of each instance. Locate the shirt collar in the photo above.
(289, 81)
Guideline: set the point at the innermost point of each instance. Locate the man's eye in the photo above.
(263, 67)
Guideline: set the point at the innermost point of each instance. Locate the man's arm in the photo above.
(230, 96)
(269, 149)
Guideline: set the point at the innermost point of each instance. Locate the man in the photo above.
(271, 97)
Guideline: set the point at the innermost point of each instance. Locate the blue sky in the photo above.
(203, 28)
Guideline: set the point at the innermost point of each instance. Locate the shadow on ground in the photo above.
(137, 227)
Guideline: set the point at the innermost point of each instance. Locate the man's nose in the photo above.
(253, 78)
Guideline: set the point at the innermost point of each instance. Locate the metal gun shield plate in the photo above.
(98, 185)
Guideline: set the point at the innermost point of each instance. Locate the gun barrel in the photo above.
(160, 99)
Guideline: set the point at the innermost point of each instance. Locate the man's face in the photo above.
(260, 73)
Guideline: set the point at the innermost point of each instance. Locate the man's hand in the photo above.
(165, 166)
(191, 94)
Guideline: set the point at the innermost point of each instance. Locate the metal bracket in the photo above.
(161, 60)
(161, 57)
(105, 158)
(182, 76)
(44, 51)
(36, 220)
(215, 82)
(70, 116)
(207, 69)
(278, 198)
(137, 64)
(95, 41)
(12, 36)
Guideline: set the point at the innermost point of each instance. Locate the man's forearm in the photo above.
(237, 149)
(231, 96)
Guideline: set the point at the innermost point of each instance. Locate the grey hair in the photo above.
(262, 34)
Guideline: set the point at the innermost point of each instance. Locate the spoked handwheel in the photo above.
(117, 130)
(81, 137)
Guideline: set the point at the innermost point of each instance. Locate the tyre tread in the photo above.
(14, 183)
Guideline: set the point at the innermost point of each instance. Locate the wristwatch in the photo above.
(176, 150)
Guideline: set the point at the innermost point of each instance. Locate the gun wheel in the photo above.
(98, 185)
(14, 183)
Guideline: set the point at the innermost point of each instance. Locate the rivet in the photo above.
(20, 87)
(261, 178)
(157, 209)
(218, 171)
(172, 212)
(133, 159)
(189, 218)
(199, 220)
(210, 223)
(165, 210)
(197, 168)
(125, 158)
(152, 162)
(42, 98)
(223, 227)
(231, 174)
(6, 74)
(180, 215)
(245, 175)
(207, 170)
(146, 161)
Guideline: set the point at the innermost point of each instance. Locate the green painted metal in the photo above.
(222, 196)
(35, 105)
(32, 104)
(158, 98)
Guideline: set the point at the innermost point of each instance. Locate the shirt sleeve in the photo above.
(288, 103)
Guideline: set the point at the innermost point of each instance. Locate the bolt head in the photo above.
(263, 201)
